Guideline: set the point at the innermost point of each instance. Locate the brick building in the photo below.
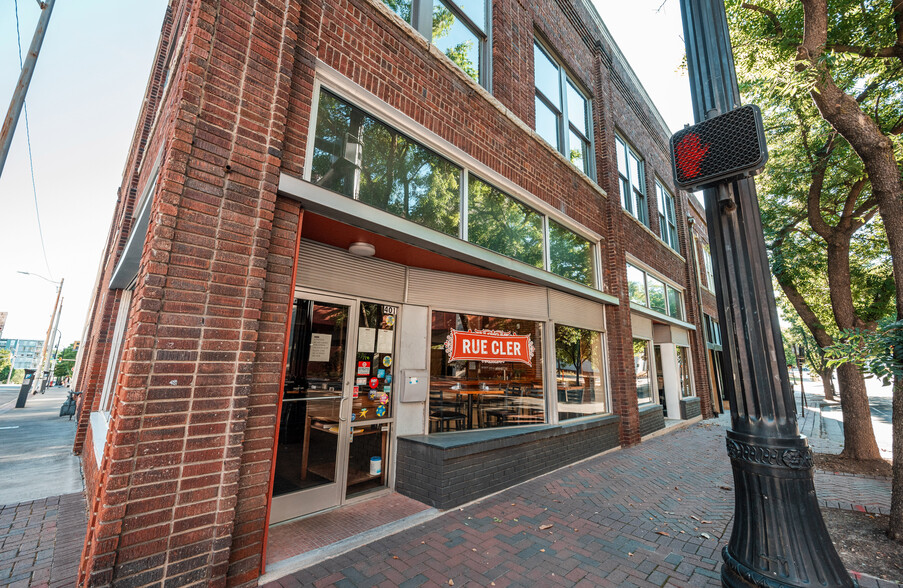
(350, 238)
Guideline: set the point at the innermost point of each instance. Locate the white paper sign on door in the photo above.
(366, 340)
(384, 341)
(320, 344)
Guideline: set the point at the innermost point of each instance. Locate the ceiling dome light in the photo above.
(362, 249)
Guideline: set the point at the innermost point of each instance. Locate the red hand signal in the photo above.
(690, 153)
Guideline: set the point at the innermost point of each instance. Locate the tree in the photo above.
(65, 362)
(848, 60)
(6, 364)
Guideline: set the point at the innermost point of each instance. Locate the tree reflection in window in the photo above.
(395, 174)
(456, 40)
(502, 224)
(571, 256)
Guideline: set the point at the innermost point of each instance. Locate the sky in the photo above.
(83, 104)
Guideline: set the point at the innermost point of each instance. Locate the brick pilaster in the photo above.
(169, 479)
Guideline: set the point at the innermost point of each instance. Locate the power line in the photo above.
(34, 188)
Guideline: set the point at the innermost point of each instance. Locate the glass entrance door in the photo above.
(336, 416)
(309, 457)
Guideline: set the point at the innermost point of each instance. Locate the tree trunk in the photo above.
(827, 382)
(895, 530)
(858, 435)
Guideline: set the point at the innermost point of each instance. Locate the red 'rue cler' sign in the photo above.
(489, 347)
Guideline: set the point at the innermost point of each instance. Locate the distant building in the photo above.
(3, 316)
(25, 352)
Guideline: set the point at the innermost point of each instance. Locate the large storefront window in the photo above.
(484, 372)
(643, 369)
(579, 379)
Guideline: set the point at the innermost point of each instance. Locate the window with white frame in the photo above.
(110, 377)
(563, 114)
(460, 29)
(667, 223)
(632, 181)
(652, 292)
(709, 271)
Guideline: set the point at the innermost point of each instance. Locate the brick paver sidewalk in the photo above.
(650, 515)
(41, 541)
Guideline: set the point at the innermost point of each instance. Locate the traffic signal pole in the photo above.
(779, 537)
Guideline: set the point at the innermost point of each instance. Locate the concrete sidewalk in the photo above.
(652, 515)
(42, 505)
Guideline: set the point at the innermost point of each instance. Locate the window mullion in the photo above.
(422, 17)
(465, 203)
(563, 123)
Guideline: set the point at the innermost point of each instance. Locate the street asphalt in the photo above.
(36, 459)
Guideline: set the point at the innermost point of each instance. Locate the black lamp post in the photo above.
(779, 537)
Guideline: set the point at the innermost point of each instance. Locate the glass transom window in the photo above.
(359, 156)
(647, 290)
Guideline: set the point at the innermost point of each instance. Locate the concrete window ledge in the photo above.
(450, 469)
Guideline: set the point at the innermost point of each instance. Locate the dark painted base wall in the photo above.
(652, 419)
(690, 408)
(451, 469)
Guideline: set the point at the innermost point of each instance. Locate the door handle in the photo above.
(342, 404)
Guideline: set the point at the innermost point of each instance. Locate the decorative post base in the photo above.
(778, 529)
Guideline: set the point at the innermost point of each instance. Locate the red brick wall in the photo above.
(168, 486)
(251, 510)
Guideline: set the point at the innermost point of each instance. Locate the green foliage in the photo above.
(879, 353)
(765, 36)
(65, 362)
(5, 364)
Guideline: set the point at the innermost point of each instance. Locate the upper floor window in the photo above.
(633, 183)
(563, 116)
(709, 272)
(458, 29)
(712, 330)
(667, 224)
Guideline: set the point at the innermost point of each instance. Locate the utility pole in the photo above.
(779, 537)
(18, 100)
(44, 349)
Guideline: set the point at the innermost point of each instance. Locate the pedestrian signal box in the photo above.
(725, 147)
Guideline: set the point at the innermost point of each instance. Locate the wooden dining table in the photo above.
(470, 394)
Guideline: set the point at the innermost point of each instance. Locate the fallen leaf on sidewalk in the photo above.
(694, 517)
(663, 533)
(725, 487)
(706, 522)
(706, 535)
(451, 582)
(544, 527)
